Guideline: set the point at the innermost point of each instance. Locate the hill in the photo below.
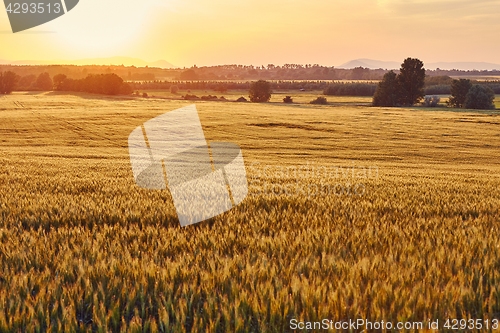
(465, 66)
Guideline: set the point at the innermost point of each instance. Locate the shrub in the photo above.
(431, 101)
(174, 89)
(145, 95)
(190, 97)
(209, 98)
(242, 99)
(480, 97)
(288, 99)
(319, 100)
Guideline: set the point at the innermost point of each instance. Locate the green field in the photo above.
(353, 212)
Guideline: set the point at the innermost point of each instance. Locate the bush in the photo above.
(190, 97)
(431, 101)
(242, 99)
(260, 91)
(174, 89)
(209, 98)
(145, 95)
(288, 99)
(319, 100)
(480, 97)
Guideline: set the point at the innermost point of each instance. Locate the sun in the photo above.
(97, 28)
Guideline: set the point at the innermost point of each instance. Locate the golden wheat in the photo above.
(84, 249)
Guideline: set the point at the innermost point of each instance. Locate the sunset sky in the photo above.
(260, 32)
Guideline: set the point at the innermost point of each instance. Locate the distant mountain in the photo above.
(117, 61)
(376, 64)
(370, 63)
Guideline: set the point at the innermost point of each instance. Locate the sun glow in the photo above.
(96, 28)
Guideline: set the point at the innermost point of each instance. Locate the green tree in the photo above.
(388, 91)
(260, 91)
(8, 81)
(480, 97)
(43, 82)
(459, 90)
(411, 81)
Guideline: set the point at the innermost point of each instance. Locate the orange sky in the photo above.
(259, 32)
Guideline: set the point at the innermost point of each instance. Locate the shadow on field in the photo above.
(91, 96)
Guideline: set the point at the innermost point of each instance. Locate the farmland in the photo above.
(353, 212)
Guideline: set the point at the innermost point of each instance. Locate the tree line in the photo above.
(105, 84)
(407, 88)
(310, 72)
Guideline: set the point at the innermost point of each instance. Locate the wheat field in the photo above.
(352, 212)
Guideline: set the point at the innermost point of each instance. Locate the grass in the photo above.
(84, 249)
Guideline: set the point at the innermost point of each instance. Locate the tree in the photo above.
(8, 81)
(388, 91)
(174, 89)
(26, 82)
(58, 81)
(43, 82)
(459, 90)
(411, 81)
(288, 99)
(111, 84)
(480, 97)
(359, 73)
(260, 91)
(189, 74)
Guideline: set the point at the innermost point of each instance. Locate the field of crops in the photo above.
(352, 212)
